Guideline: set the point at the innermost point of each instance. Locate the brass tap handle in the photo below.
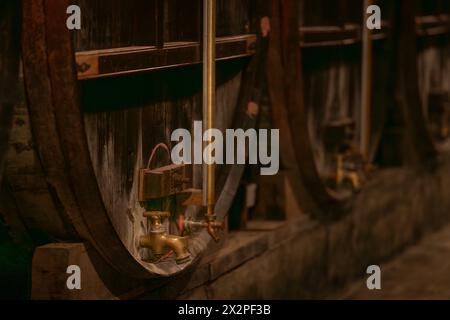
(159, 241)
(156, 218)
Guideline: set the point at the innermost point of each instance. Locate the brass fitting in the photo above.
(193, 197)
(343, 174)
(210, 224)
(158, 240)
(338, 137)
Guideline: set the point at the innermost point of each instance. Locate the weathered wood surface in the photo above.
(417, 143)
(124, 24)
(433, 57)
(332, 80)
(9, 70)
(326, 86)
(119, 41)
(307, 75)
(329, 13)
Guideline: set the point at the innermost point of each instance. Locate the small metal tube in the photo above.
(209, 96)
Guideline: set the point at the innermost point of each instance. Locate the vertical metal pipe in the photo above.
(209, 96)
(366, 84)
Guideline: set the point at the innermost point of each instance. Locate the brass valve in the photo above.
(164, 190)
(344, 174)
(158, 241)
(338, 140)
(210, 224)
(156, 218)
(193, 197)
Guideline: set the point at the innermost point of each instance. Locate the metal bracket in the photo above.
(164, 182)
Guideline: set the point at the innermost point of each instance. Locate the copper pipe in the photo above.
(209, 96)
(366, 85)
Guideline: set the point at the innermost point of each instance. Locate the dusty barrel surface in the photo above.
(101, 98)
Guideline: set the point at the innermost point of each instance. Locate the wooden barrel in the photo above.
(9, 66)
(321, 53)
(417, 144)
(101, 98)
(433, 30)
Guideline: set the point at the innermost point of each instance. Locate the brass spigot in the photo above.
(210, 224)
(158, 241)
(338, 140)
(343, 174)
(194, 198)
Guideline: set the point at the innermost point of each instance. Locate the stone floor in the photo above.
(420, 273)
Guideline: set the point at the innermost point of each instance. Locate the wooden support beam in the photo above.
(131, 60)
